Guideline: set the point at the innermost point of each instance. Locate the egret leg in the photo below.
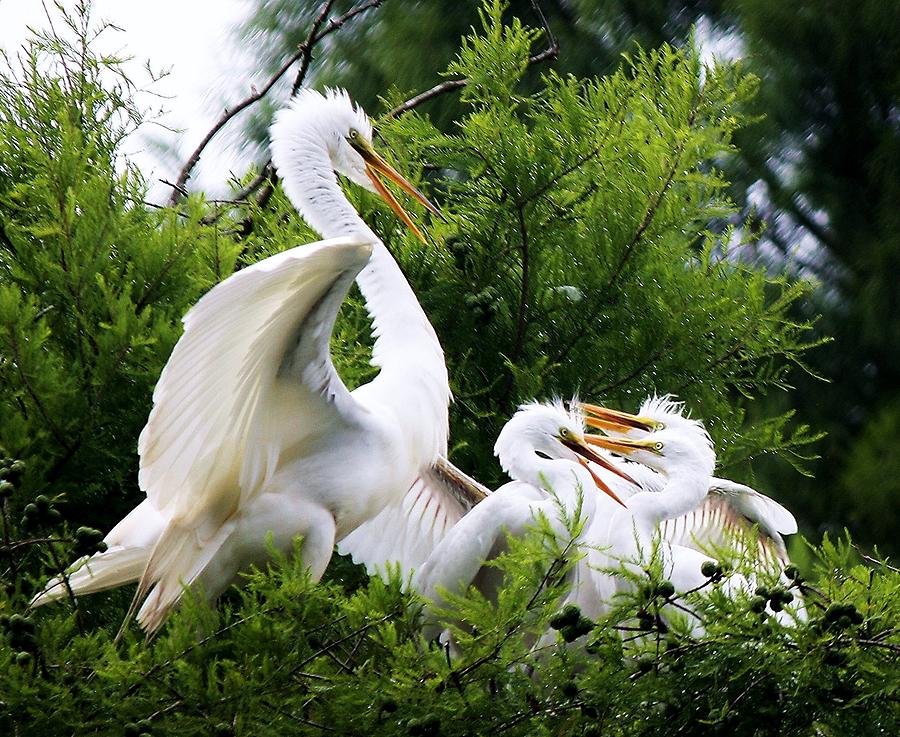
(273, 520)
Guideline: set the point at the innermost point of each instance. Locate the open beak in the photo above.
(377, 167)
(612, 419)
(586, 453)
(623, 446)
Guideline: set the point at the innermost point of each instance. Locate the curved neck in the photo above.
(557, 476)
(413, 379)
(681, 494)
(312, 186)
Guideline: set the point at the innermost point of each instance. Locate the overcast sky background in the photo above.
(190, 38)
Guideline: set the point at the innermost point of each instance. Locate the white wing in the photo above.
(758, 508)
(407, 532)
(728, 513)
(210, 441)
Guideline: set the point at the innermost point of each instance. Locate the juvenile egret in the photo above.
(706, 513)
(253, 438)
(724, 515)
(684, 459)
(543, 449)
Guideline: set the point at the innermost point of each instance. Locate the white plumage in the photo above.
(542, 449)
(253, 438)
(676, 499)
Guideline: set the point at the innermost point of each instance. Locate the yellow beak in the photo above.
(624, 446)
(585, 454)
(375, 166)
(615, 420)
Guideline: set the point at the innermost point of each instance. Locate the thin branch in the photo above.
(299, 720)
(26, 382)
(879, 643)
(265, 175)
(523, 288)
(439, 89)
(324, 650)
(551, 52)
(10, 546)
(61, 569)
(13, 568)
(306, 47)
(303, 54)
(652, 358)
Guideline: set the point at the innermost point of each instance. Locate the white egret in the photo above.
(544, 450)
(705, 513)
(253, 438)
(728, 510)
(684, 459)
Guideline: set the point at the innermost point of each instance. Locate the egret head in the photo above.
(345, 131)
(553, 433)
(660, 436)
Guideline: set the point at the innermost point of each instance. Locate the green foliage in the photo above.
(871, 477)
(92, 282)
(285, 656)
(828, 153)
(579, 223)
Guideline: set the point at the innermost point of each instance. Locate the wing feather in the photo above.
(727, 515)
(266, 325)
(406, 532)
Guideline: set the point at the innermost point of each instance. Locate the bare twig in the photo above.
(551, 52)
(303, 54)
(439, 89)
(874, 561)
(10, 546)
(879, 643)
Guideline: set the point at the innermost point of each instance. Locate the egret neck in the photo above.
(413, 379)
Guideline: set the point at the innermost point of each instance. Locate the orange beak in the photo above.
(585, 454)
(624, 446)
(377, 167)
(615, 420)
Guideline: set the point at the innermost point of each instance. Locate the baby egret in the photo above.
(253, 438)
(543, 449)
(728, 510)
(706, 513)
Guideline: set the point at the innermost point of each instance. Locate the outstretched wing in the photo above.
(727, 515)
(407, 532)
(259, 338)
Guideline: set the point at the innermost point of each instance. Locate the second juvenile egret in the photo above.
(728, 510)
(253, 438)
(711, 513)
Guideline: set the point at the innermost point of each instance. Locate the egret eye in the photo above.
(354, 134)
(660, 426)
(564, 432)
(657, 446)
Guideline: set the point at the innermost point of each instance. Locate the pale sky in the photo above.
(189, 37)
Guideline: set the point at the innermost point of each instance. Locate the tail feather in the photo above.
(115, 567)
(178, 558)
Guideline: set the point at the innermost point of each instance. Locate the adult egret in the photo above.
(253, 438)
(543, 449)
